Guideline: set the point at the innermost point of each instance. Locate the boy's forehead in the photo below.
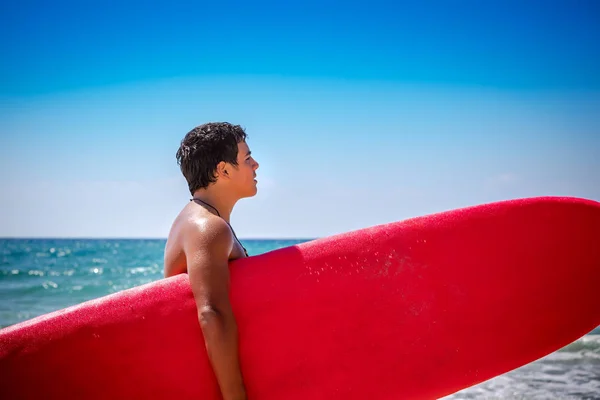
(243, 148)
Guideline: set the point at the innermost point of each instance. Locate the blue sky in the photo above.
(359, 113)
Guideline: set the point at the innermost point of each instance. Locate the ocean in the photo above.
(38, 276)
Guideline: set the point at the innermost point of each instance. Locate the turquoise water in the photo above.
(38, 276)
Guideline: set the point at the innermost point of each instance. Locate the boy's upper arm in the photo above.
(207, 250)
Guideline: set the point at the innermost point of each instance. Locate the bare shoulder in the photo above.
(196, 236)
(208, 234)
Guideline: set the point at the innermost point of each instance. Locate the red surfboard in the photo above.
(416, 309)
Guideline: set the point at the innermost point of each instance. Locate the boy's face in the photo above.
(243, 176)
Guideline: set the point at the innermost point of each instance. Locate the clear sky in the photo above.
(360, 113)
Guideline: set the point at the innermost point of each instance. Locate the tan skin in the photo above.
(201, 244)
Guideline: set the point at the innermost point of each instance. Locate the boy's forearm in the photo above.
(221, 340)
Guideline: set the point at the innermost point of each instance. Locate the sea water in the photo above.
(38, 276)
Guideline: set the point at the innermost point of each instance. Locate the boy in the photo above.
(219, 169)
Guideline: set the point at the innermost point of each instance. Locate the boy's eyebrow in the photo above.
(248, 153)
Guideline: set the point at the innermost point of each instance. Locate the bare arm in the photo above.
(207, 253)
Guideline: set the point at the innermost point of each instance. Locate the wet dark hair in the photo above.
(204, 147)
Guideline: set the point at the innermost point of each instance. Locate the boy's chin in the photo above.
(251, 193)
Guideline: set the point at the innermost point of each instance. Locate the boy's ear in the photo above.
(222, 170)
